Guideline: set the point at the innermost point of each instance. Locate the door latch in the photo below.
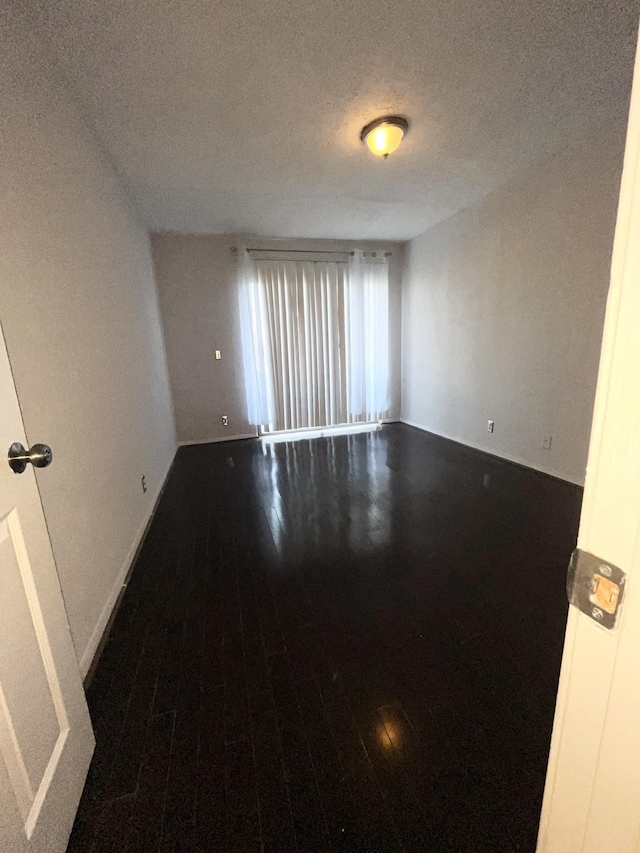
(596, 588)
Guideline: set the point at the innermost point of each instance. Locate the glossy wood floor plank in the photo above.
(351, 643)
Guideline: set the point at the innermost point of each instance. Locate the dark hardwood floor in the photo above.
(350, 643)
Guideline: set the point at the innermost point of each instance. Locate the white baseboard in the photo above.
(96, 636)
(217, 440)
(507, 458)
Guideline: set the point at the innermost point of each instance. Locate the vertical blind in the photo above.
(315, 338)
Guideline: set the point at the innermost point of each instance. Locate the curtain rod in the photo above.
(312, 251)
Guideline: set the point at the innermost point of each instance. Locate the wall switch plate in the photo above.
(225, 420)
(490, 425)
(218, 355)
(143, 480)
(546, 442)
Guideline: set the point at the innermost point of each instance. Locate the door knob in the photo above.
(39, 455)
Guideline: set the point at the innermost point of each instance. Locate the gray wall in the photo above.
(79, 310)
(197, 283)
(503, 309)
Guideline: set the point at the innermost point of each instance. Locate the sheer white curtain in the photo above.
(315, 338)
(368, 334)
(256, 349)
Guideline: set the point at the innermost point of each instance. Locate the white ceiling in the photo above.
(244, 115)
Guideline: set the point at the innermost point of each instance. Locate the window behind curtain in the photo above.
(315, 342)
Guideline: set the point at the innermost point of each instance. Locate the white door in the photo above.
(592, 794)
(46, 740)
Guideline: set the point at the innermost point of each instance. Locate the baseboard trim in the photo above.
(239, 437)
(504, 456)
(100, 633)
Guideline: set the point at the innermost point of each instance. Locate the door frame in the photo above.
(592, 793)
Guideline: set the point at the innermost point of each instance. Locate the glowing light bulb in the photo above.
(383, 136)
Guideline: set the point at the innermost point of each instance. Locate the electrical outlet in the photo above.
(546, 442)
(225, 420)
(490, 425)
(143, 480)
(218, 355)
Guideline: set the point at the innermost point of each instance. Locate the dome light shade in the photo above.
(384, 135)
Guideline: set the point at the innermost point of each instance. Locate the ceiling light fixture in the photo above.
(384, 135)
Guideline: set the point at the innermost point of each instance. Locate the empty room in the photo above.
(319, 360)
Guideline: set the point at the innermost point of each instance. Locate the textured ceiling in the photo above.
(244, 115)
